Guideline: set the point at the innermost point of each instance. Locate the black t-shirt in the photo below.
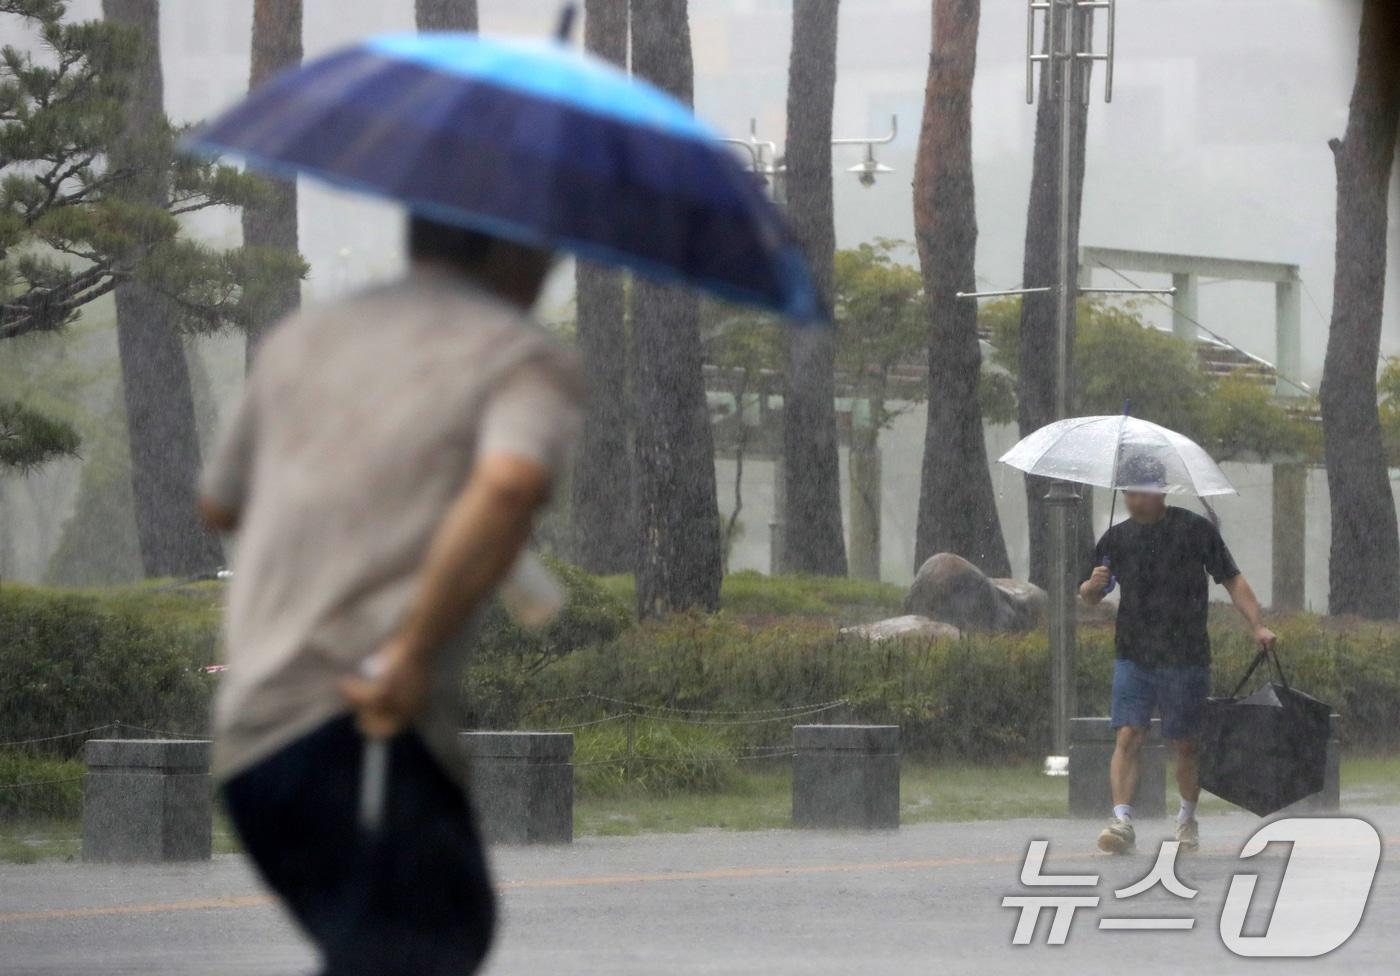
(1161, 568)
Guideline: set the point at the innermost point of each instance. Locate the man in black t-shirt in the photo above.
(1159, 558)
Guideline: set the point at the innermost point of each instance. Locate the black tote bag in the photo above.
(1267, 750)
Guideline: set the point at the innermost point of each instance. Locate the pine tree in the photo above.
(957, 509)
(812, 539)
(89, 204)
(276, 46)
(678, 555)
(603, 510)
(1364, 571)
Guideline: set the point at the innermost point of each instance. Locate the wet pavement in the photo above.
(925, 898)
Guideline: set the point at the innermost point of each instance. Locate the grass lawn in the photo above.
(759, 800)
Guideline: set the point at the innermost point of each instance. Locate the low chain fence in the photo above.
(664, 747)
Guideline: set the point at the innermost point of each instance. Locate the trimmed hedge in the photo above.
(39, 788)
(71, 660)
(76, 659)
(981, 698)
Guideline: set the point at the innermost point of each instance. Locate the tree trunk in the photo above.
(813, 538)
(678, 546)
(161, 428)
(957, 509)
(1364, 569)
(450, 15)
(603, 510)
(1036, 381)
(276, 46)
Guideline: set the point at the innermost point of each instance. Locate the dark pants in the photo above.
(413, 898)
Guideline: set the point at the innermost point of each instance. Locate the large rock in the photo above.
(910, 625)
(950, 589)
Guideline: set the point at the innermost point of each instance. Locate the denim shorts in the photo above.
(1178, 693)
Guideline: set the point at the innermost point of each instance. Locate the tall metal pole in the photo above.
(1062, 500)
(1068, 45)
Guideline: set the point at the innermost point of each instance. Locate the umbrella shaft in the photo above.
(373, 774)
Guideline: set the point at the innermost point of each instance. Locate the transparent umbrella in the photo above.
(1121, 452)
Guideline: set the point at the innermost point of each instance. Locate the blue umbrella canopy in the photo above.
(531, 141)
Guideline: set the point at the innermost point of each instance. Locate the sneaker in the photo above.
(1118, 837)
(1188, 833)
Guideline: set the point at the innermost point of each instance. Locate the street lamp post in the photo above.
(1068, 48)
(767, 164)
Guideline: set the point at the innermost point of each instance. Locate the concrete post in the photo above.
(1091, 749)
(1289, 549)
(864, 463)
(845, 776)
(1288, 336)
(147, 800)
(777, 526)
(1185, 305)
(522, 785)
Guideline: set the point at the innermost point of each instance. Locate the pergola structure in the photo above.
(1289, 473)
(757, 431)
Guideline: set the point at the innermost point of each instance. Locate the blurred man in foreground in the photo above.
(382, 472)
(1160, 556)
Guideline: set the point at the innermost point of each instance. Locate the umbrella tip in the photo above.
(567, 15)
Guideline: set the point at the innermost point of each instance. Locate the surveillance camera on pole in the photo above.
(768, 165)
(867, 169)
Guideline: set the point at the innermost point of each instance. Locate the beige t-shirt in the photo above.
(358, 426)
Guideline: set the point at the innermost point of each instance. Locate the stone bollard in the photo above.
(1329, 798)
(147, 800)
(1090, 750)
(522, 785)
(845, 776)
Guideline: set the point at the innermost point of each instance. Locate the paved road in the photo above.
(921, 900)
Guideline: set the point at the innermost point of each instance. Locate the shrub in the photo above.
(39, 787)
(665, 759)
(753, 594)
(982, 698)
(71, 661)
(591, 615)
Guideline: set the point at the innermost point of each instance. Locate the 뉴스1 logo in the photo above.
(1300, 925)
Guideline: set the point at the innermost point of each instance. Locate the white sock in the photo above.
(1188, 811)
(1123, 811)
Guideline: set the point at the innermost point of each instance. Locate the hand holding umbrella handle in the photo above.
(374, 766)
(1112, 580)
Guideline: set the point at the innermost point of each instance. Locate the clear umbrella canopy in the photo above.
(1118, 451)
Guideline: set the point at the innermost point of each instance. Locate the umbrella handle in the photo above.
(374, 766)
(374, 772)
(1112, 580)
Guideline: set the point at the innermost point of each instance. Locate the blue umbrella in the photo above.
(531, 141)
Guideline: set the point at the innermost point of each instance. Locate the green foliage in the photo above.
(881, 324)
(78, 659)
(665, 759)
(590, 616)
(70, 660)
(29, 439)
(87, 201)
(1243, 420)
(752, 594)
(881, 318)
(983, 698)
(1388, 390)
(1118, 357)
(39, 787)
